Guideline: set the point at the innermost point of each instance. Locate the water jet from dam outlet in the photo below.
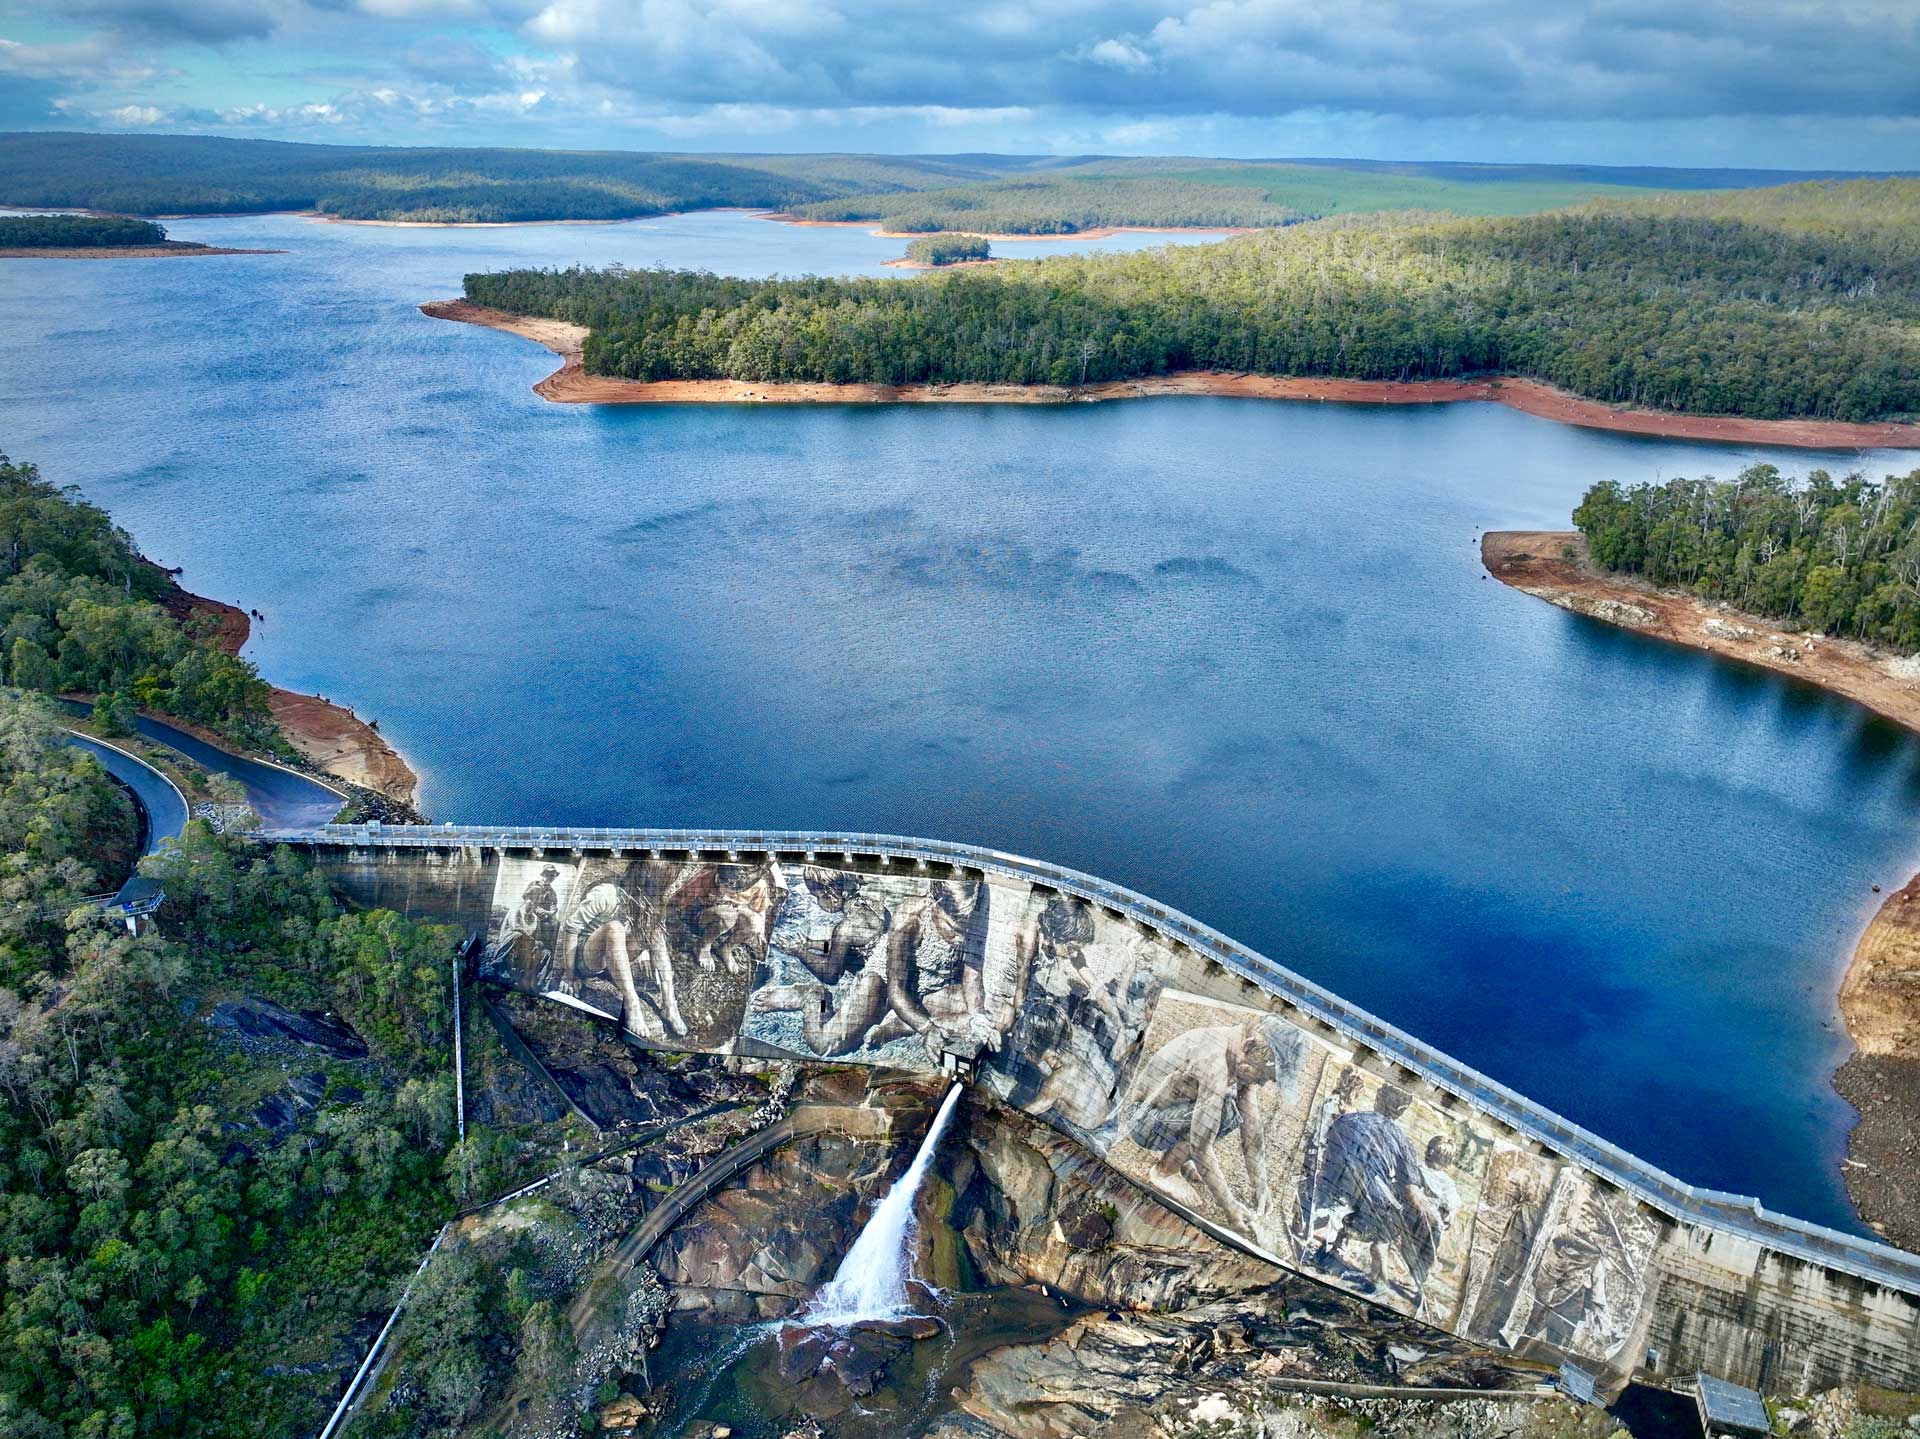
(871, 1282)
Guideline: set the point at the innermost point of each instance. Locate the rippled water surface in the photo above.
(1241, 656)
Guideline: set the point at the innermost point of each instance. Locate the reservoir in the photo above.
(1240, 656)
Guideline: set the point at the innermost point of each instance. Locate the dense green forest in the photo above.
(76, 232)
(202, 174)
(80, 610)
(1253, 193)
(1049, 205)
(948, 250)
(1798, 301)
(180, 1258)
(1838, 556)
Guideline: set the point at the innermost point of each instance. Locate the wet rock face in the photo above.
(264, 1022)
(1032, 1205)
(1221, 1368)
(614, 1083)
(760, 1249)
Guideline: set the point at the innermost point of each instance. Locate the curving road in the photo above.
(163, 809)
(282, 798)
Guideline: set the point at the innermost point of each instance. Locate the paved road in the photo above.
(163, 809)
(282, 799)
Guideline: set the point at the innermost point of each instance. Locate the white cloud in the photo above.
(1120, 54)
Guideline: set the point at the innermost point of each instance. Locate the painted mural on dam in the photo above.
(1261, 1128)
(887, 969)
(666, 948)
(800, 959)
(1182, 1077)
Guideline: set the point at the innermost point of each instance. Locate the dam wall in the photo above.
(1264, 1108)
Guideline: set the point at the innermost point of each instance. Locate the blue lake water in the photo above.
(1241, 656)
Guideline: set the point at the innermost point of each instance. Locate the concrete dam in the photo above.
(1247, 1099)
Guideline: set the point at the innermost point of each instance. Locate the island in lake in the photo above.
(1299, 314)
(95, 237)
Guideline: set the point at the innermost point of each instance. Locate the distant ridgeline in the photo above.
(201, 174)
(1800, 301)
(198, 174)
(1838, 556)
(1209, 193)
(76, 232)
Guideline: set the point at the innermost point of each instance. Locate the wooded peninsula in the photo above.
(1798, 301)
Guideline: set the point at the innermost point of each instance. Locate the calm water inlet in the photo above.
(1240, 656)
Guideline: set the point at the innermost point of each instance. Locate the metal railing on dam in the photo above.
(1732, 1214)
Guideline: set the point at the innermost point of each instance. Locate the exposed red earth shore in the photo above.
(571, 384)
(333, 737)
(1880, 996)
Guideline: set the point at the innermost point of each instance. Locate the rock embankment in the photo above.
(1880, 1001)
(1880, 997)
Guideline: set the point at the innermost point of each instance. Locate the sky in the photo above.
(1762, 83)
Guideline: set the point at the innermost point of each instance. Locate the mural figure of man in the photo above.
(595, 937)
(1569, 1290)
(1200, 1087)
(527, 930)
(1524, 1200)
(1372, 1178)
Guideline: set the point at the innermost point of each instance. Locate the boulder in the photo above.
(263, 1021)
(914, 1327)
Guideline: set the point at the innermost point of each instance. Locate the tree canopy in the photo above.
(80, 610)
(76, 232)
(1840, 556)
(1798, 301)
(948, 250)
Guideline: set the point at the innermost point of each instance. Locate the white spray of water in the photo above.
(872, 1280)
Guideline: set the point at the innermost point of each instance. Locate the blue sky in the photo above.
(1775, 83)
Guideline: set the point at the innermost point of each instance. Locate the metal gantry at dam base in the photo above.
(1696, 1280)
(1735, 1213)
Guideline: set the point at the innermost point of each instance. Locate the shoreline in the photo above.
(169, 250)
(1879, 995)
(903, 263)
(571, 384)
(333, 738)
(878, 229)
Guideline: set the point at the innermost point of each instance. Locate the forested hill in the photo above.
(200, 175)
(203, 174)
(1074, 197)
(1801, 301)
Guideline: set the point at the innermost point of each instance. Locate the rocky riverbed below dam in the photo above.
(1050, 1296)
